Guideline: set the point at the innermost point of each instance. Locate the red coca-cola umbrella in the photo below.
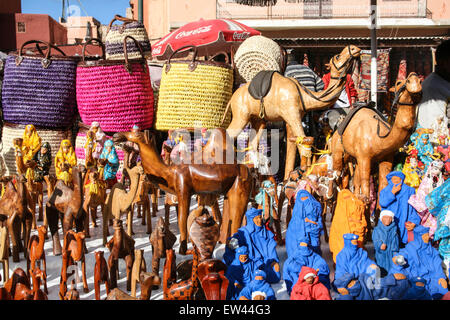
(209, 36)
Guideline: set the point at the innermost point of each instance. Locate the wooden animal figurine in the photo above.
(100, 273)
(36, 254)
(117, 294)
(37, 277)
(74, 243)
(4, 254)
(139, 266)
(14, 207)
(18, 286)
(66, 204)
(119, 201)
(289, 101)
(161, 239)
(121, 246)
(94, 197)
(183, 290)
(211, 273)
(369, 140)
(34, 188)
(184, 180)
(148, 281)
(142, 203)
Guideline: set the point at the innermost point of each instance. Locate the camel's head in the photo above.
(408, 91)
(133, 136)
(99, 254)
(343, 62)
(42, 230)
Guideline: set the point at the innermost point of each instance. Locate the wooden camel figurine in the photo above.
(4, 252)
(161, 239)
(18, 286)
(119, 202)
(66, 204)
(100, 274)
(184, 180)
(121, 246)
(211, 273)
(38, 276)
(183, 290)
(139, 266)
(74, 244)
(142, 202)
(288, 101)
(94, 197)
(14, 209)
(369, 140)
(36, 254)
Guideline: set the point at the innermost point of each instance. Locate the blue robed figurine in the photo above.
(394, 197)
(260, 243)
(239, 273)
(258, 288)
(306, 221)
(353, 259)
(361, 287)
(424, 261)
(304, 256)
(109, 153)
(385, 240)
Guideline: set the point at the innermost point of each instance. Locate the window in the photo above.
(20, 26)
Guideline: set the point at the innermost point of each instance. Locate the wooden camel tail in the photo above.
(226, 111)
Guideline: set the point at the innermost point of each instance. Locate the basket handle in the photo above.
(193, 63)
(122, 19)
(227, 60)
(45, 61)
(54, 47)
(125, 52)
(99, 42)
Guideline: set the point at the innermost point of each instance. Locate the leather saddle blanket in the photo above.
(343, 125)
(261, 84)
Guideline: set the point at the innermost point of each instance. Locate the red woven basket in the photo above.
(115, 93)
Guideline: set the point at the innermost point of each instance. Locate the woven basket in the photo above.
(80, 142)
(117, 94)
(12, 131)
(116, 33)
(194, 93)
(256, 54)
(39, 89)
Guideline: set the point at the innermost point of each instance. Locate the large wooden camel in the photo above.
(14, 207)
(185, 180)
(66, 203)
(370, 141)
(288, 101)
(119, 201)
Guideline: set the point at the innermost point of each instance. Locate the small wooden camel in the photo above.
(369, 140)
(161, 239)
(100, 274)
(38, 276)
(183, 290)
(121, 246)
(36, 254)
(119, 201)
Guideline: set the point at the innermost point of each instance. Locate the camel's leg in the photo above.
(383, 170)
(139, 209)
(33, 210)
(237, 125)
(356, 181)
(53, 220)
(130, 222)
(44, 268)
(105, 224)
(97, 289)
(149, 218)
(93, 211)
(13, 226)
(290, 153)
(40, 199)
(83, 274)
(184, 199)
(113, 266)
(142, 213)
(364, 175)
(154, 198)
(86, 223)
(225, 227)
(129, 265)
(26, 228)
(281, 199)
(259, 125)
(238, 197)
(216, 212)
(166, 214)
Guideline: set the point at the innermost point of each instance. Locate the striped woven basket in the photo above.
(80, 142)
(117, 94)
(12, 131)
(194, 94)
(116, 33)
(39, 89)
(256, 54)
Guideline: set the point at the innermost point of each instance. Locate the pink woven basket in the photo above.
(117, 94)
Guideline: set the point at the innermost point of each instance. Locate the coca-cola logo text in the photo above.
(183, 34)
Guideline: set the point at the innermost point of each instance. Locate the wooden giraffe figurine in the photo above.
(183, 290)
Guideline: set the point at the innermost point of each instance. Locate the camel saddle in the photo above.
(260, 86)
(343, 125)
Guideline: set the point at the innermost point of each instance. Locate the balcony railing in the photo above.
(322, 9)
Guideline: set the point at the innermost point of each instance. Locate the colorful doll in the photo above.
(98, 141)
(200, 143)
(65, 159)
(308, 286)
(180, 153)
(385, 240)
(417, 290)
(109, 153)
(438, 203)
(43, 160)
(431, 180)
(440, 128)
(424, 261)
(260, 243)
(412, 172)
(425, 149)
(258, 288)
(352, 259)
(357, 287)
(31, 143)
(394, 197)
(444, 150)
(304, 256)
(395, 285)
(306, 222)
(239, 273)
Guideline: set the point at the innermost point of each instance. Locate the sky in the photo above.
(102, 10)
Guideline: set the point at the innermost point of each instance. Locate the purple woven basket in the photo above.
(39, 89)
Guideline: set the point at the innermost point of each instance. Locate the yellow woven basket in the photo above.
(194, 94)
